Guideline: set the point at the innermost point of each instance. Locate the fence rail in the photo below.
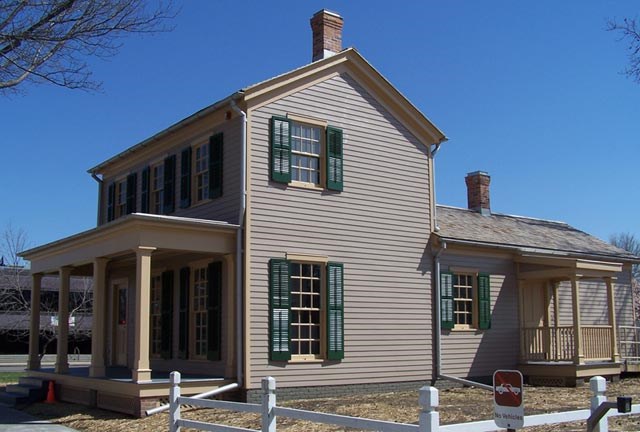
(428, 420)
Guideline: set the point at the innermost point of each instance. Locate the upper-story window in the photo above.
(306, 153)
(201, 173)
(465, 300)
(157, 189)
(122, 197)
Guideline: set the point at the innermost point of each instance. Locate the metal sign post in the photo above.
(508, 400)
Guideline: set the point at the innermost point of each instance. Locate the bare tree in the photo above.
(631, 244)
(48, 40)
(629, 32)
(15, 296)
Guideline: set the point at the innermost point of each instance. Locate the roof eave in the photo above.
(538, 250)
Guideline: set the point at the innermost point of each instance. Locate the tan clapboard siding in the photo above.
(593, 302)
(479, 353)
(378, 227)
(224, 208)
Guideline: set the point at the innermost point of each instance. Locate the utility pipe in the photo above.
(239, 285)
(100, 190)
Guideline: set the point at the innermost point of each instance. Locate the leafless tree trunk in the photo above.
(47, 40)
(15, 296)
(630, 33)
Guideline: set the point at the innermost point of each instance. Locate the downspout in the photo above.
(239, 251)
(239, 328)
(100, 187)
(438, 339)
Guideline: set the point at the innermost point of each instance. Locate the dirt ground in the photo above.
(456, 406)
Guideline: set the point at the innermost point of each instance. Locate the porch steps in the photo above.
(27, 390)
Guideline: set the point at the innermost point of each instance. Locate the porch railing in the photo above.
(557, 343)
(629, 337)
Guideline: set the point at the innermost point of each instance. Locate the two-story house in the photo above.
(290, 230)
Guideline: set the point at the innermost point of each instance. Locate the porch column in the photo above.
(578, 353)
(615, 355)
(547, 319)
(97, 368)
(62, 358)
(34, 328)
(141, 371)
(556, 319)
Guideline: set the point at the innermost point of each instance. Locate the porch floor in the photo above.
(566, 373)
(123, 374)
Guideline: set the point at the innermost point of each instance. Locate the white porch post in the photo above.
(34, 328)
(556, 319)
(97, 368)
(141, 371)
(615, 355)
(578, 353)
(62, 358)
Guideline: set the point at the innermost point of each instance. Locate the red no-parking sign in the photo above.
(508, 401)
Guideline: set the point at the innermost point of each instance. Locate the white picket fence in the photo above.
(428, 420)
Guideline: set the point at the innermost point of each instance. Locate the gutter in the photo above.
(438, 326)
(239, 273)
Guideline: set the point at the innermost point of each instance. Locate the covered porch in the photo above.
(162, 300)
(567, 313)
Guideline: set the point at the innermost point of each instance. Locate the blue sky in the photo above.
(529, 91)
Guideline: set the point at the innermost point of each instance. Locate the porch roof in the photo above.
(130, 232)
(525, 235)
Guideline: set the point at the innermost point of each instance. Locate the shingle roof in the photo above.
(522, 233)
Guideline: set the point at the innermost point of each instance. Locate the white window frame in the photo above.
(157, 188)
(200, 176)
(155, 321)
(317, 305)
(470, 286)
(198, 346)
(121, 198)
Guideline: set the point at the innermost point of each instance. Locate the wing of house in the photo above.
(284, 230)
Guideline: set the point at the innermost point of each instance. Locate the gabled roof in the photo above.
(523, 234)
(413, 118)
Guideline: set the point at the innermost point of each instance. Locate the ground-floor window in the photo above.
(306, 307)
(156, 316)
(199, 313)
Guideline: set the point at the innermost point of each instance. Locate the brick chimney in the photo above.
(327, 34)
(478, 192)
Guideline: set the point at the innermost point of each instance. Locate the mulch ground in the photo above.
(456, 406)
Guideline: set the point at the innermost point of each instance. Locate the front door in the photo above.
(120, 340)
(534, 312)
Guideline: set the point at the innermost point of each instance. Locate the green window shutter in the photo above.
(144, 190)
(334, 159)
(484, 301)
(169, 204)
(280, 149)
(216, 155)
(185, 178)
(166, 314)
(183, 318)
(446, 300)
(132, 186)
(214, 310)
(335, 311)
(111, 202)
(279, 310)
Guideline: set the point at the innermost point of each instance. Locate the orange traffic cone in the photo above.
(51, 394)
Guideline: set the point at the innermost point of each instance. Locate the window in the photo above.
(306, 310)
(306, 154)
(200, 319)
(306, 304)
(199, 313)
(202, 172)
(465, 301)
(306, 148)
(121, 203)
(156, 315)
(157, 189)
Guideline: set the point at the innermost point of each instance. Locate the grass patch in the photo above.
(10, 377)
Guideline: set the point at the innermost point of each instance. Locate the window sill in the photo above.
(302, 185)
(299, 360)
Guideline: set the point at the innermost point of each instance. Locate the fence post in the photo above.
(268, 403)
(174, 406)
(429, 415)
(598, 386)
